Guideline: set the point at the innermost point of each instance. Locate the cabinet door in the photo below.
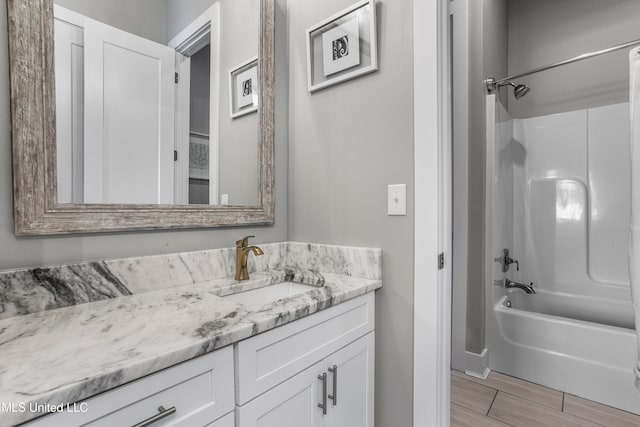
(293, 403)
(226, 421)
(266, 360)
(352, 384)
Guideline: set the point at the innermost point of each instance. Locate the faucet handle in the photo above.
(506, 260)
(244, 242)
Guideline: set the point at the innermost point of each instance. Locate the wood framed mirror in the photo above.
(43, 206)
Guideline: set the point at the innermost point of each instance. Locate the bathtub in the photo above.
(607, 312)
(580, 345)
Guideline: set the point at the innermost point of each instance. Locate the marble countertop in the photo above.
(67, 354)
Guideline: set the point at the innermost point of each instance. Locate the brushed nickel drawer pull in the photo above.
(323, 405)
(163, 413)
(334, 397)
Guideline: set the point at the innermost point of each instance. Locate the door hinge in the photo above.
(175, 155)
(441, 261)
(177, 77)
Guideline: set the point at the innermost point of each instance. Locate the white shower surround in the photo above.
(558, 196)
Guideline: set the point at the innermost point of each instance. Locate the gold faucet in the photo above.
(242, 255)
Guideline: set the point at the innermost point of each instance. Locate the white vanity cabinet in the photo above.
(228, 420)
(282, 376)
(277, 378)
(200, 390)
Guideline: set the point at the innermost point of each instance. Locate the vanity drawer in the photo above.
(201, 390)
(268, 359)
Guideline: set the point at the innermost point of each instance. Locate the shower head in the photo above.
(520, 90)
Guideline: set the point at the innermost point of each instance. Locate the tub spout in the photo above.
(511, 284)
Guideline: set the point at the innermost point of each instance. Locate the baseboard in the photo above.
(477, 365)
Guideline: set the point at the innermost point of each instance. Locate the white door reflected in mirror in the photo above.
(141, 102)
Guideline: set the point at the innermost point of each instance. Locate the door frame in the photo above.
(203, 30)
(432, 157)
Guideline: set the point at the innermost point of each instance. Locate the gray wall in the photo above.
(238, 137)
(545, 31)
(199, 109)
(488, 29)
(37, 251)
(476, 164)
(145, 18)
(180, 13)
(200, 101)
(347, 143)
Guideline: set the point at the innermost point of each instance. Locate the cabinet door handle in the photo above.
(334, 397)
(323, 405)
(162, 413)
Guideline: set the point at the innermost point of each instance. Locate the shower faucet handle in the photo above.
(505, 260)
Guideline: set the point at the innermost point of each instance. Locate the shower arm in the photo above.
(493, 84)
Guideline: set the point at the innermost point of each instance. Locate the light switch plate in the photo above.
(224, 199)
(397, 205)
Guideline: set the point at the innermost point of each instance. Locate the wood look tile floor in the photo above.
(502, 401)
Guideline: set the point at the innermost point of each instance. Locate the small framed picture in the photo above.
(342, 47)
(198, 156)
(243, 88)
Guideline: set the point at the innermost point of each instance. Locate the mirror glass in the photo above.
(156, 101)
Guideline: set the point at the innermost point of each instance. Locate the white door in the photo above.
(352, 384)
(129, 119)
(294, 403)
(69, 58)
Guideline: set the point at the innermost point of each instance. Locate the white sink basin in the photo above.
(267, 294)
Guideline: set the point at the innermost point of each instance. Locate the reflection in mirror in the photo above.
(147, 103)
